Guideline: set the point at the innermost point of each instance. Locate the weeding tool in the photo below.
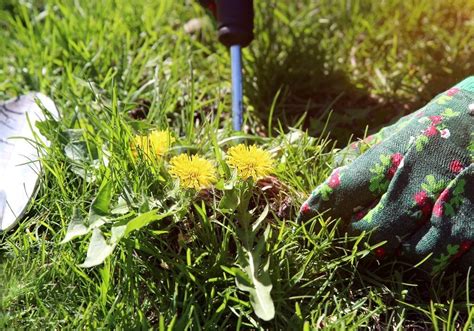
(235, 31)
(19, 159)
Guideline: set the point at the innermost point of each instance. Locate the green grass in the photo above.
(100, 59)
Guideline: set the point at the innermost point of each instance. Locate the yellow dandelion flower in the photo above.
(192, 172)
(154, 145)
(250, 161)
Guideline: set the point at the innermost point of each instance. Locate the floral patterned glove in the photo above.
(414, 188)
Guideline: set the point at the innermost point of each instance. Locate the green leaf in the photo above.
(144, 205)
(76, 228)
(261, 218)
(98, 250)
(121, 207)
(72, 135)
(76, 151)
(260, 284)
(242, 279)
(84, 172)
(229, 201)
(143, 220)
(117, 233)
(220, 185)
(45, 127)
(456, 201)
(101, 203)
(259, 291)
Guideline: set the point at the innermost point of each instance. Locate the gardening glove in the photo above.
(414, 187)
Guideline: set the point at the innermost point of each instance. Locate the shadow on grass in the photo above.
(368, 70)
(306, 88)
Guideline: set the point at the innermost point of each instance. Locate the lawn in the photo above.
(318, 74)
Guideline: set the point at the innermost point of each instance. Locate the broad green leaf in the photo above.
(96, 221)
(98, 250)
(76, 228)
(259, 288)
(76, 151)
(432, 186)
(144, 219)
(260, 284)
(84, 172)
(81, 162)
(101, 203)
(46, 126)
(120, 208)
(144, 205)
(439, 186)
(220, 185)
(72, 135)
(242, 278)
(117, 233)
(229, 201)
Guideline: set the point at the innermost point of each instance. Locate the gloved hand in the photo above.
(414, 188)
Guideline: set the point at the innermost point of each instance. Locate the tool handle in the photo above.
(235, 22)
(237, 88)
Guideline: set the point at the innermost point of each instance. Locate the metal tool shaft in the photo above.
(237, 90)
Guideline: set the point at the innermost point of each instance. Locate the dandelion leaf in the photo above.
(101, 203)
(143, 220)
(229, 201)
(76, 228)
(98, 250)
(260, 284)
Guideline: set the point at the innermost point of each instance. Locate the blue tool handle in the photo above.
(237, 90)
(234, 30)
